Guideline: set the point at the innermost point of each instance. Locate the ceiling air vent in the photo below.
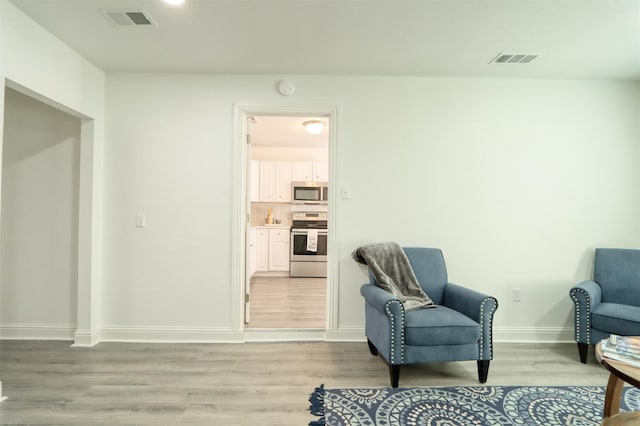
(128, 18)
(514, 58)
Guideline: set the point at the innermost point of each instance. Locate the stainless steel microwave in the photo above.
(309, 192)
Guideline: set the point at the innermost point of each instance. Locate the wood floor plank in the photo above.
(51, 383)
(285, 302)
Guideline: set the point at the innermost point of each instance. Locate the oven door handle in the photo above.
(305, 231)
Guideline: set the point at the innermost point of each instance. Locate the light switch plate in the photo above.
(517, 294)
(141, 220)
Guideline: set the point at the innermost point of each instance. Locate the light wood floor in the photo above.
(283, 302)
(234, 384)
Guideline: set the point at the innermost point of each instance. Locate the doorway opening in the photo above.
(286, 279)
(40, 217)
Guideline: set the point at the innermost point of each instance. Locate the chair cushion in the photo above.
(431, 272)
(613, 318)
(440, 326)
(618, 273)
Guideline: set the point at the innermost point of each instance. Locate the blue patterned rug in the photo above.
(466, 406)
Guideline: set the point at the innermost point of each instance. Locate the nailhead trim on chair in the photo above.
(587, 319)
(493, 309)
(393, 329)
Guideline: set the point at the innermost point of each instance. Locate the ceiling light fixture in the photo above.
(174, 2)
(314, 127)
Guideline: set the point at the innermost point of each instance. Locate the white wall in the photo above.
(35, 63)
(39, 228)
(516, 180)
(41, 64)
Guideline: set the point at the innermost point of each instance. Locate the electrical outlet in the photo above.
(516, 294)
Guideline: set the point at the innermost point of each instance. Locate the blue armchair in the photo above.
(610, 303)
(458, 329)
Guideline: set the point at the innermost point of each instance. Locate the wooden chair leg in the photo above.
(394, 373)
(372, 348)
(483, 370)
(583, 350)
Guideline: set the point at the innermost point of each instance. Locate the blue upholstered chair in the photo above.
(458, 329)
(610, 303)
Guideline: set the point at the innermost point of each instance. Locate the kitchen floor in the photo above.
(291, 303)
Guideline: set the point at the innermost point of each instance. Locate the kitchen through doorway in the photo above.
(287, 251)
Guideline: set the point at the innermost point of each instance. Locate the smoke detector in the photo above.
(128, 17)
(513, 58)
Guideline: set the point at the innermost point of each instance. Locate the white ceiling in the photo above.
(280, 131)
(592, 39)
(576, 39)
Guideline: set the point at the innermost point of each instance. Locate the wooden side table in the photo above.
(631, 418)
(619, 373)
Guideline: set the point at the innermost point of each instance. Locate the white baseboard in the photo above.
(89, 338)
(36, 332)
(169, 335)
(282, 335)
(346, 334)
(500, 334)
(533, 334)
(86, 338)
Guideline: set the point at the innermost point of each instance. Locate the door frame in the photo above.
(240, 214)
(85, 331)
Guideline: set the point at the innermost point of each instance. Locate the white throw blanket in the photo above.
(393, 272)
(312, 240)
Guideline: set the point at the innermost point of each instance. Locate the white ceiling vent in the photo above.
(128, 17)
(513, 58)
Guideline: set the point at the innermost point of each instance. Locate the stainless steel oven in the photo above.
(308, 245)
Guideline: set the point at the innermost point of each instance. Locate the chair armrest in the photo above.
(376, 297)
(477, 306)
(585, 296)
(467, 301)
(385, 322)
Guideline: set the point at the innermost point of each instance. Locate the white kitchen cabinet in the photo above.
(262, 250)
(255, 181)
(321, 171)
(267, 181)
(271, 249)
(283, 182)
(253, 252)
(275, 181)
(279, 249)
(305, 171)
(301, 171)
